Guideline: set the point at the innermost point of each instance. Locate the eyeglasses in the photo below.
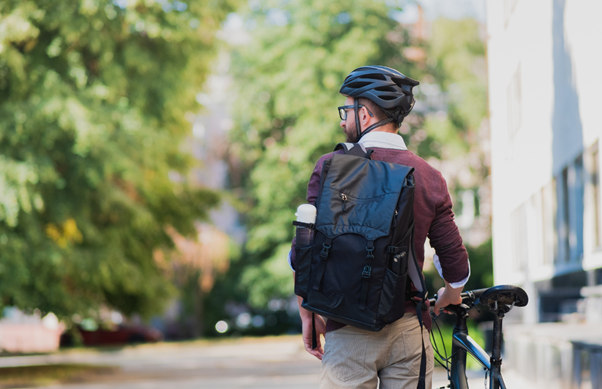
(344, 108)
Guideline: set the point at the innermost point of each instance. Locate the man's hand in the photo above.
(447, 296)
(318, 352)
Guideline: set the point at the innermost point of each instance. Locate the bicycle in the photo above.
(500, 300)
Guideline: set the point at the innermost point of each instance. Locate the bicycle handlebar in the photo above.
(468, 296)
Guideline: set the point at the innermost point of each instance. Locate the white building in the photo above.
(545, 96)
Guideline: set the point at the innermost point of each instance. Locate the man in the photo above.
(377, 100)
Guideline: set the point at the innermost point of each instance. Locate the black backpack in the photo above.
(356, 272)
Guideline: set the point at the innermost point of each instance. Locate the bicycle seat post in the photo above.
(500, 299)
(496, 353)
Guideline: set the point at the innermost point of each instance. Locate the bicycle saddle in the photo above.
(504, 295)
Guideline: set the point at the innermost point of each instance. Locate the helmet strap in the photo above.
(358, 126)
(377, 124)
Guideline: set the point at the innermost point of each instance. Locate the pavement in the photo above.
(249, 363)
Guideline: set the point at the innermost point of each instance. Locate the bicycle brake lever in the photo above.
(471, 295)
(474, 303)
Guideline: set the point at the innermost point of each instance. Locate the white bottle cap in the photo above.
(306, 213)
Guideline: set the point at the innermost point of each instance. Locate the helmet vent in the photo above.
(388, 97)
(385, 89)
(375, 76)
(358, 84)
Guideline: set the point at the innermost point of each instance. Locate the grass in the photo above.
(447, 331)
(28, 376)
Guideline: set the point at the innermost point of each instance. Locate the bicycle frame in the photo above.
(500, 299)
(462, 345)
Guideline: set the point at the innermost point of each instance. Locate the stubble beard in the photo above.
(351, 133)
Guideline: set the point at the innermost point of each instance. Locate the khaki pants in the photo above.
(358, 359)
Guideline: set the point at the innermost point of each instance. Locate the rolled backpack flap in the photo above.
(352, 201)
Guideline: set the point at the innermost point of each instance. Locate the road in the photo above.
(278, 362)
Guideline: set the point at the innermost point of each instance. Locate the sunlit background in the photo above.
(153, 153)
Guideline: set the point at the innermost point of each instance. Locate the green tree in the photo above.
(456, 65)
(92, 101)
(456, 136)
(289, 75)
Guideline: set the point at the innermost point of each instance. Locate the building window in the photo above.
(577, 207)
(520, 249)
(562, 217)
(550, 238)
(569, 216)
(595, 182)
(514, 96)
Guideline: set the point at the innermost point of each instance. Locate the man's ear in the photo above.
(364, 116)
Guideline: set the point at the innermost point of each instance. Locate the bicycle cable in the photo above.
(444, 357)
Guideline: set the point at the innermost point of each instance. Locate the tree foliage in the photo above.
(456, 131)
(455, 64)
(92, 101)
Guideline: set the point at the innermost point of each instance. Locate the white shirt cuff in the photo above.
(454, 285)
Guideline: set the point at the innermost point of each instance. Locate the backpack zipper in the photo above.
(344, 198)
(395, 219)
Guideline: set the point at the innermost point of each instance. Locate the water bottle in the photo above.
(306, 218)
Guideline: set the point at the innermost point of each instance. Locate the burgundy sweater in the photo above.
(433, 217)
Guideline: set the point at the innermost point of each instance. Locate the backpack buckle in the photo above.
(370, 249)
(324, 252)
(366, 272)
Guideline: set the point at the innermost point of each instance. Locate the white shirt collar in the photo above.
(383, 140)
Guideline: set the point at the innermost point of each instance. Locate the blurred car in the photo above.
(120, 335)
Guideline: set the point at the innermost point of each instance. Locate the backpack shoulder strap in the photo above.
(354, 149)
(344, 146)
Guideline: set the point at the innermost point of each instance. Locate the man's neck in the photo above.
(389, 127)
(384, 140)
(384, 130)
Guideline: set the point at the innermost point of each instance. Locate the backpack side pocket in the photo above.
(392, 299)
(302, 265)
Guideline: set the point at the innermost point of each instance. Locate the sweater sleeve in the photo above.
(313, 187)
(445, 238)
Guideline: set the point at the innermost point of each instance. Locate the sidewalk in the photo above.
(249, 363)
(555, 355)
(244, 363)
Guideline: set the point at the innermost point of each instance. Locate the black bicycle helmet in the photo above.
(386, 87)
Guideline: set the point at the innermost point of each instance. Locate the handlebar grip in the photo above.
(473, 295)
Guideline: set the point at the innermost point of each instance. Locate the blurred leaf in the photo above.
(92, 101)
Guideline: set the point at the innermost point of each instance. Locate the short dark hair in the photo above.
(377, 111)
